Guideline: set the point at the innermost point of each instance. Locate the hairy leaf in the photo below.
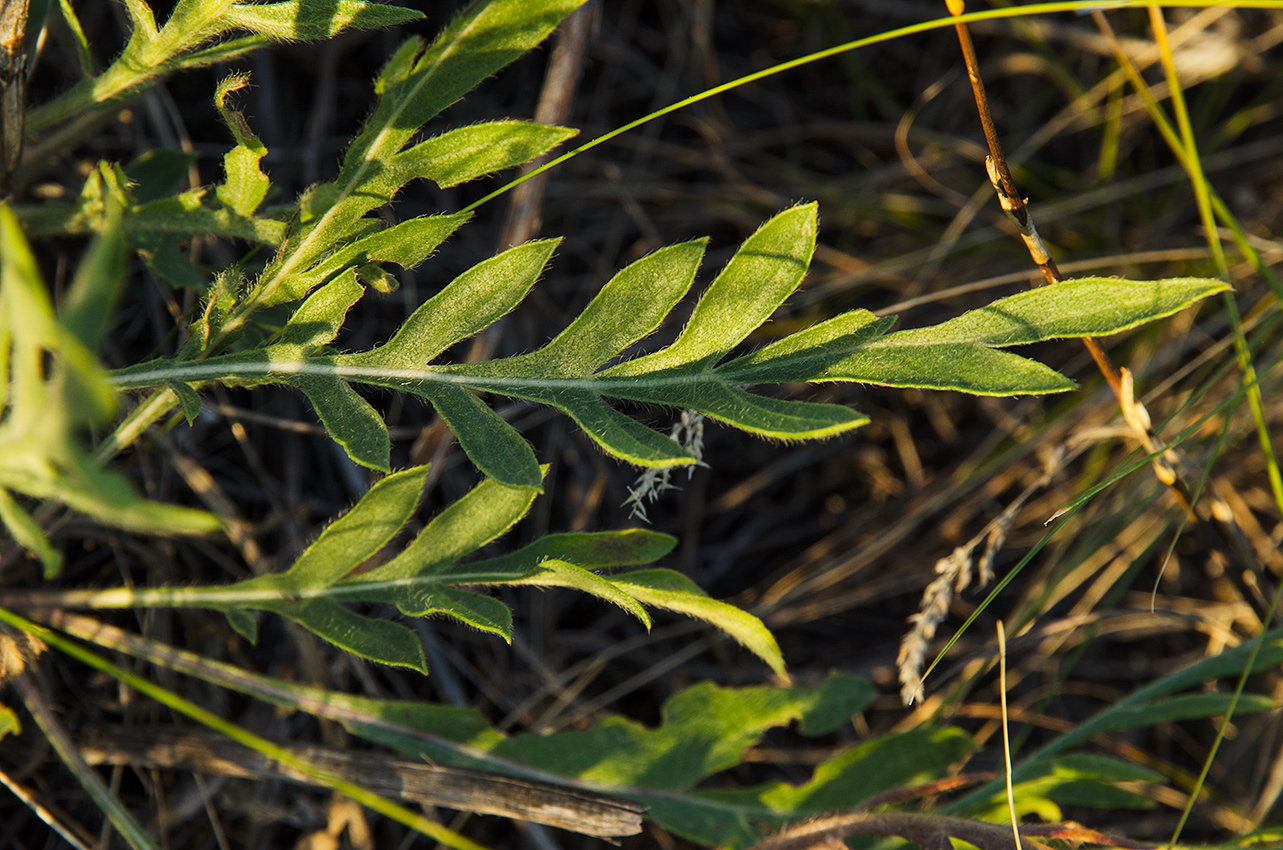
(673, 591)
(308, 20)
(588, 362)
(52, 387)
(430, 575)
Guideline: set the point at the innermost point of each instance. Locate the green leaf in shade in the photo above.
(474, 151)
(301, 20)
(172, 265)
(90, 302)
(705, 729)
(159, 173)
(188, 400)
(1186, 707)
(673, 591)
(28, 534)
(740, 817)
(625, 438)
(371, 638)
(591, 550)
(349, 420)
(243, 623)
(484, 613)
(496, 448)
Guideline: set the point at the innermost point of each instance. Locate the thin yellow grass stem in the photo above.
(1006, 734)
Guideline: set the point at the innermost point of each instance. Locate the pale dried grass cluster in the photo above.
(689, 433)
(954, 574)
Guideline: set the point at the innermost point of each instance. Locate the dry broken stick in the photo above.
(13, 86)
(428, 785)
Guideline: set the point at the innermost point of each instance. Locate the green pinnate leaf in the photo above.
(431, 575)
(496, 448)
(553, 573)
(28, 534)
(572, 372)
(470, 303)
(349, 420)
(629, 306)
(413, 88)
(1090, 306)
(673, 591)
(764, 271)
(480, 41)
(246, 184)
(470, 152)
(308, 20)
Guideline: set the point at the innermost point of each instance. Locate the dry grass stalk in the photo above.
(954, 575)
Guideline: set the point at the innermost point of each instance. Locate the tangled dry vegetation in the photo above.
(831, 543)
